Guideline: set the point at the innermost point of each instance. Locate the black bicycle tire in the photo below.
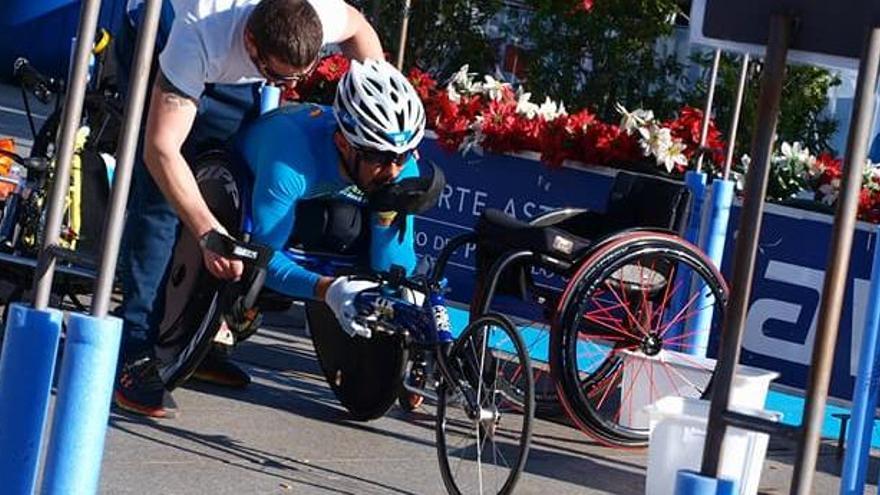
(631, 246)
(206, 309)
(529, 403)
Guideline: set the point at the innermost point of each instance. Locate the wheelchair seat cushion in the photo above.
(496, 228)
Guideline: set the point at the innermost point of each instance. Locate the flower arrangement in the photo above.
(491, 115)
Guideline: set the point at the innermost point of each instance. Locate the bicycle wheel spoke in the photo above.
(629, 314)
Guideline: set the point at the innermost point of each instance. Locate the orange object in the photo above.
(6, 188)
(6, 144)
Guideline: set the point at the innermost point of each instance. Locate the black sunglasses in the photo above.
(273, 77)
(383, 157)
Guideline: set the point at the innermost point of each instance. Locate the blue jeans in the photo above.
(152, 224)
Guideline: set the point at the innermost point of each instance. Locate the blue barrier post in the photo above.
(696, 184)
(858, 442)
(689, 482)
(82, 408)
(26, 366)
(714, 235)
(270, 98)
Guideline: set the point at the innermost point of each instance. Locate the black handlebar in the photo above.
(34, 163)
(42, 87)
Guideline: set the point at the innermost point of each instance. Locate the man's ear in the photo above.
(250, 43)
(341, 143)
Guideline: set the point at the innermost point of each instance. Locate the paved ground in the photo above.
(287, 434)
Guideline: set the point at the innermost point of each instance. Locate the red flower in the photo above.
(583, 5)
(688, 127)
(423, 83)
(332, 67)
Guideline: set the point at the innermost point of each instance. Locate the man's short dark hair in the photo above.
(288, 30)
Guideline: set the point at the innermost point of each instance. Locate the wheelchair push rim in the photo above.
(629, 331)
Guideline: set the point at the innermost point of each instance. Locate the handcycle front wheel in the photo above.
(484, 420)
(630, 330)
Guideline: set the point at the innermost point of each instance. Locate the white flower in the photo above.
(798, 154)
(655, 140)
(632, 121)
(491, 87)
(462, 79)
(453, 94)
(526, 107)
(549, 110)
(829, 192)
(672, 156)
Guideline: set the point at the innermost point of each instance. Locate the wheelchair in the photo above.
(636, 316)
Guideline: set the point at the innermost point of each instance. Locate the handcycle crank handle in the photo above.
(229, 247)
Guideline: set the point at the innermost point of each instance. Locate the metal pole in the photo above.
(747, 240)
(125, 153)
(70, 119)
(737, 109)
(404, 28)
(707, 111)
(838, 266)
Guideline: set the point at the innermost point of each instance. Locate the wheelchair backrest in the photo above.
(638, 200)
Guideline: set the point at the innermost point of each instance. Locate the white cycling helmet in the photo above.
(377, 108)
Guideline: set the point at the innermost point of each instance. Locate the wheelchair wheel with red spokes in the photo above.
(639, 320)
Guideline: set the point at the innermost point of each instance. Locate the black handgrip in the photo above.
(228, 247)
(42, 87)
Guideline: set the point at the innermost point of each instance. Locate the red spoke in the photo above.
(516, 373)
(667, 293)
(687, 359)
(683, 378)
(618, 329)
(629, 392)
(666, 367)
(644, 290)
(628, 312)
(683, 336)
(610, 381)
(678, 316)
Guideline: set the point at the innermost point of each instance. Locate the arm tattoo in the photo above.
(173, 96)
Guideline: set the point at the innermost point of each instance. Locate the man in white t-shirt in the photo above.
(214, 52)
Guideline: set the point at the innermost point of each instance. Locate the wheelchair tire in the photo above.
(625, 330)
(195, 301)
(365, 374)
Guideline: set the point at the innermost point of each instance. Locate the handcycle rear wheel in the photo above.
(485, 451)
(629, 332)
(195, 302)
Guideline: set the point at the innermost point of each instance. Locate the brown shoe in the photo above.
(223, 372)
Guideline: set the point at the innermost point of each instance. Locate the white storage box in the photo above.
(647, 379)
(678, 433)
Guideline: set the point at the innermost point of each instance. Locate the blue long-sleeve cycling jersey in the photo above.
(293, 157)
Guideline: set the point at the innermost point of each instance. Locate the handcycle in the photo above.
(22, 217)
(484, 421)
(625, 328)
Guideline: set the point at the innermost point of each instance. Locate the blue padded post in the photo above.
(270, 98)
(713, 237)
(689, 482)
(696, 184)
(858, 442)
(82, 408)
(26, 365)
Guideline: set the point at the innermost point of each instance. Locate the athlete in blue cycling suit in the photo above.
(293, 156)
(306, 152)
